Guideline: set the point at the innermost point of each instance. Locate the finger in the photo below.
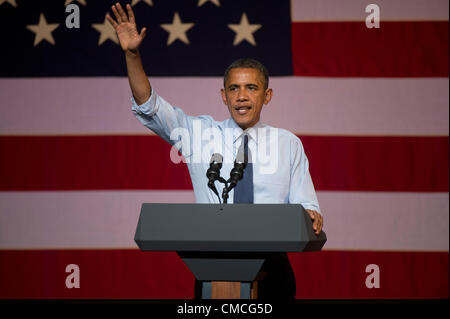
(122, 13)
(313, 216)
(316, 225)
(319, 228)
(313, 219)
(130, 14)
(143, 33)
(111, 20)
(116, 14)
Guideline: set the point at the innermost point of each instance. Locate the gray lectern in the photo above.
(226, 243)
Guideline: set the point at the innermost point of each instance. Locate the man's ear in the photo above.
(268, 96)
(224, 96)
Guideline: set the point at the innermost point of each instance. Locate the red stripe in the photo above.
(142, 162)
(89, 162)
(135, 274)
(396, 49)
(410, 164)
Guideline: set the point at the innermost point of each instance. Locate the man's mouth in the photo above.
(242, 110)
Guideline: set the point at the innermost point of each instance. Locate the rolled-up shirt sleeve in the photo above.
(167, 121)
(147, 109)
(301, 189)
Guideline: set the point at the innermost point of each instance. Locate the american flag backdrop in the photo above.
(371, 106)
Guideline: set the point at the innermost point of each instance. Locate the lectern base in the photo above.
(229, 290)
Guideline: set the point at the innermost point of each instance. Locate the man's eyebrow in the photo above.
(237, 85)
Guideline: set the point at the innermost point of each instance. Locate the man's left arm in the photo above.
(301, 188)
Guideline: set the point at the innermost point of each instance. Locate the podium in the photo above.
(225, 246)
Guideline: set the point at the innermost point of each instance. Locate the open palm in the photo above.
(125, 27)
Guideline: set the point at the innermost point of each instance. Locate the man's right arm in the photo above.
(139, 83)
(150, 109)
(130, 40)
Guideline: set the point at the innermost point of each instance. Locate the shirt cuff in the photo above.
(148, 108)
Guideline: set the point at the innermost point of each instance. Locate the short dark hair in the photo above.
(248, 63)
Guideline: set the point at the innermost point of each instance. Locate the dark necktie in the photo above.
(243, 192)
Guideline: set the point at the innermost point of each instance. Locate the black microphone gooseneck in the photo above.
(236, 175)
(213, 172)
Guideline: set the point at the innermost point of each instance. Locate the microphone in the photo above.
(237, 172)
(213, 172)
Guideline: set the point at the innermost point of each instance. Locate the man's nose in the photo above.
(242, 96)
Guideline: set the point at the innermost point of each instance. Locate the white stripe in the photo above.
(108, 219)
(386, 221)
(354, 10)
(316, 106)
(84, 219)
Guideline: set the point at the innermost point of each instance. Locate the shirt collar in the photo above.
(251, 131)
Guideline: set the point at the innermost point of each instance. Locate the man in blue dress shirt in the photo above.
(279, 170)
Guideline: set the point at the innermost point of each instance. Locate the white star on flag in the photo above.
(83, 2)
(202, 2)
(43, 30)
(177, 30)
(149, 2)
(11, 2)
(244, 31)
(106, 32)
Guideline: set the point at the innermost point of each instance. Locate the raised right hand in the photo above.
(125, 27)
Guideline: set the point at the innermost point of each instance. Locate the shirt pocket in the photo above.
(272, 189)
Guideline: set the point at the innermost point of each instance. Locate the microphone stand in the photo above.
(225, 189)
(235, 176)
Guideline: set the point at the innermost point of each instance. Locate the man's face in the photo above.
(244, 94)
